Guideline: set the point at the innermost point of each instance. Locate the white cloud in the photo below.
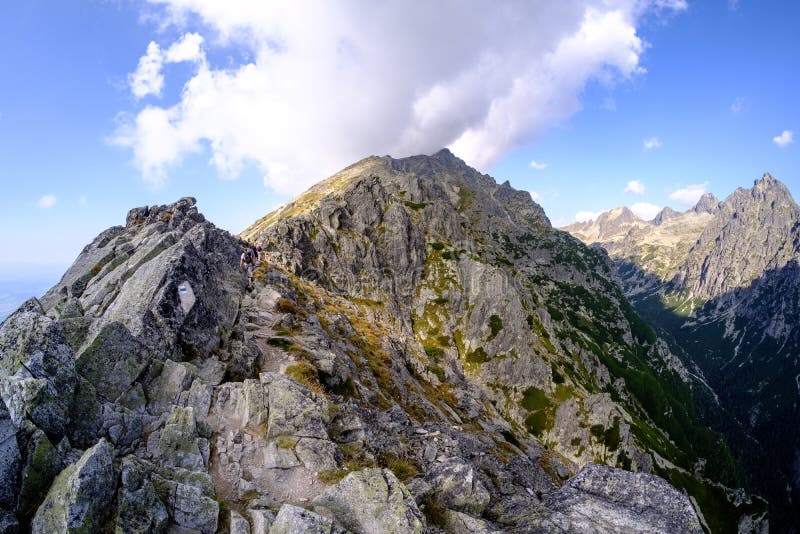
(690, 194)
(786, 138)
(634, 186)
(537, 197)
(733, 5)
(645, 210)
(187, 48)
(349, 79)
(675, 5)
(47, 201)
(584, 216)
(652, 142)
(82, 200)
(738, 105)
(147, 79)
(538, 166)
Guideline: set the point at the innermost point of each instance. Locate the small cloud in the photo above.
(690, 194)
(738, 105)
(645, 210)
(537, 165)
(785, 139)
(674, 5)
(147, 79)
(585, 216)
(82, 200)
(634, 186)
(652, 142)
(610, 104)
(187, 48)
(47, 201)
(537, 197)
(733, 5)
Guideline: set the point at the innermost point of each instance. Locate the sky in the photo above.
(107, 105)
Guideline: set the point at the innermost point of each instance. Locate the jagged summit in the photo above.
(418, 179)
(707, 203)
(664, 215)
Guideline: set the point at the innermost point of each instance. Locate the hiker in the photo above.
(259, 252)
(246, 262)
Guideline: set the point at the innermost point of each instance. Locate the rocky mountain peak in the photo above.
(708, 203)
(665, 215)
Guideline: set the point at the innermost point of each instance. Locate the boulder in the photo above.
(79, 497)
(41, 465)
(455, 484)
(294, 410)
(372, 500)
(177, 444)
(296, 520)
(261, 520)
(113, 361)
(190, 498)
(605, 499)
(458, 523)
(37, 369)
(139, 509)
(238, 524)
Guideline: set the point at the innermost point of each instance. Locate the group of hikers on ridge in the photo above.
(247, 261)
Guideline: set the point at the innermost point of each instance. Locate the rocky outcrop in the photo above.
(602, 499)
(78, 499)
(372, 500)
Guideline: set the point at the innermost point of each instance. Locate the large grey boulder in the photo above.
(294, 410)
(456, 485)
(139, 509)
(372, 500)
(295, 520)
(37, 369)
(605, 499)
(190, 498)
(78, 499)
(40, 465)
(177, 444)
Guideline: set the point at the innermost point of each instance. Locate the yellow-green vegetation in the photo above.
(540, 410)
(403, 468)
(495, 325)
(305, 374)
(286, 442)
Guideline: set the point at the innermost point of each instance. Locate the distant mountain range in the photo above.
(721, 283)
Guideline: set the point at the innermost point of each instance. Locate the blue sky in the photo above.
(243, 107)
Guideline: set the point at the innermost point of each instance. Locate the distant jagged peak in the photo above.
(665, 215)
(620, 214)
(768, 185)
(708, 203)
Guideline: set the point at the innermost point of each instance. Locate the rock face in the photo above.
(726, 300)
(420, 352)
(78, 498)
(603, 499)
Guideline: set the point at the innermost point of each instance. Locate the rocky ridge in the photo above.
(421, 353)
